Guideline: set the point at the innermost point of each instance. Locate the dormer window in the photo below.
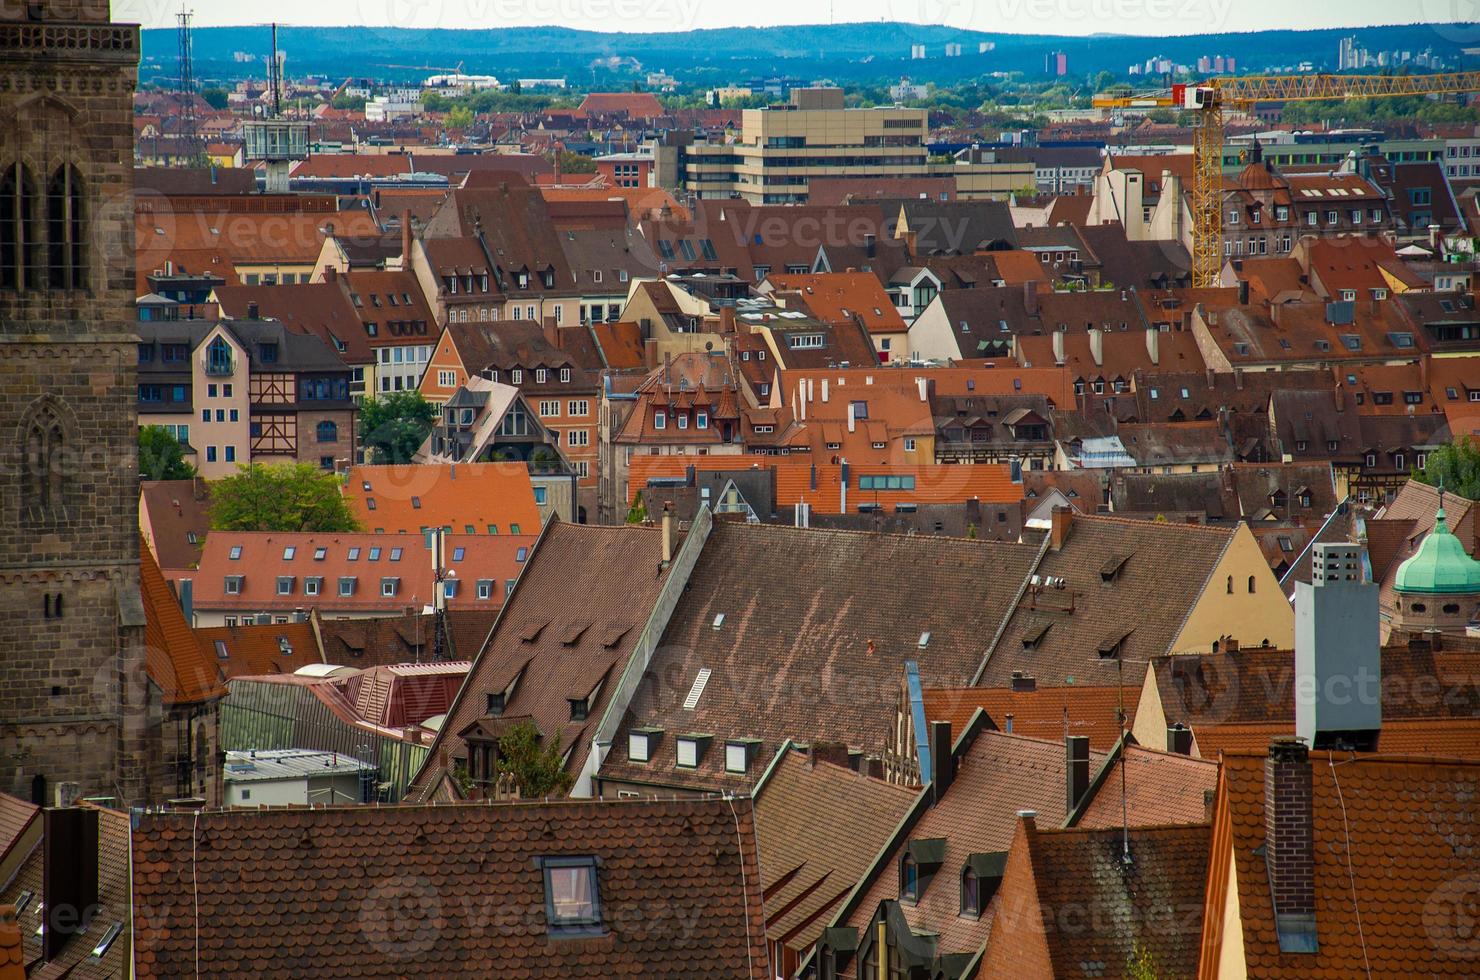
(690, 750)
(920, 861)
(909, 879)
(980, 879)
(642, 743)
(740, 753)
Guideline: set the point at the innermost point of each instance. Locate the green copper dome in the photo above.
(1440, 565)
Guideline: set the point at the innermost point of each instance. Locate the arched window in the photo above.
(971, 893)
(64, 236)
(1419, 607)
(328, 431)
(909, 878)
(44, 442)
(1251, 585)
(1230, 585)
(19, 236)
(218, 357)
(1450, 608)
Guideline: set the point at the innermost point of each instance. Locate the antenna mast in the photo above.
(275, 77)
(189, 131)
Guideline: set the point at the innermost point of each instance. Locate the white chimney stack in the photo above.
(824, 391)
(924, 387)
(851, 421)
(1058, 347)
(1097, 346)
(1153, 344)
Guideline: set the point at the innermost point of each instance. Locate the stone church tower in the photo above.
(72, 681)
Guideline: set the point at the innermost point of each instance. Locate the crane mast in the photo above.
(1208, 102)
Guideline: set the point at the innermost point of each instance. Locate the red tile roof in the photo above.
(174, 660)
(1093, 910)
(249, 651)
(1050, 712)
(12, 952)
(173, 510)
(934, 483)
(998, 775)
(841, 297)
(1159, 788)
(637, 105)
(549, 649)
(1393, 842)
(450, 891)
(368, 558)
(407, 498)
(802, 811)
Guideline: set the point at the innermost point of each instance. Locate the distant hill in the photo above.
(839, 52)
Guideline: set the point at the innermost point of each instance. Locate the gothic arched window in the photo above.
(19, 235)
(44, 445)
(65, 256)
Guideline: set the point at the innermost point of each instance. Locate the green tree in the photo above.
(354, 103)
(1140, 964)
(285, 497)
(214, 97)
(460, 118)
(515, 88)
(575, 163)
(161, 457)
(539, 770)
(1455, 466)
(392, 428)
(1104, 80)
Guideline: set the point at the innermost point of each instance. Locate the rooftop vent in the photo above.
(697, 691)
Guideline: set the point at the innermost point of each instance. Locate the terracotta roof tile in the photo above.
(997, 776)
(307, 558)
(842, 297)
(1057, 633)
(247, 651)
(802, 812)
(173, 658)
(1160, 788)
(452, 890)
(1049, 713)
(1392, 839)
(819, 659)
(75, 961)
(934, 483)
(410, 497)
(172, 511)
(1094, 910)
(526, 646)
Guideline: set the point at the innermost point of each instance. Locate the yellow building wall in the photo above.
(1250, 618)
(1231, 962)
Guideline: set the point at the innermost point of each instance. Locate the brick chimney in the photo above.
(1076, 770)
(1063, 522)
(1030, 298)
(1288, 832)
(406, 238)
(667, 534)
(551, 332)
(1340, 398)
(942, 762)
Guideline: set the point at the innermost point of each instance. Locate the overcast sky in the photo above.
(1147, 17)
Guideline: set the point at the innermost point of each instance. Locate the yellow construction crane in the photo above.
(1207, 102)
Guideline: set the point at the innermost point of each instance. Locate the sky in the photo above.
(1073, 17)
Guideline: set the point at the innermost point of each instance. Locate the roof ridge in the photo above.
(1129, 521)
(840, 531)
